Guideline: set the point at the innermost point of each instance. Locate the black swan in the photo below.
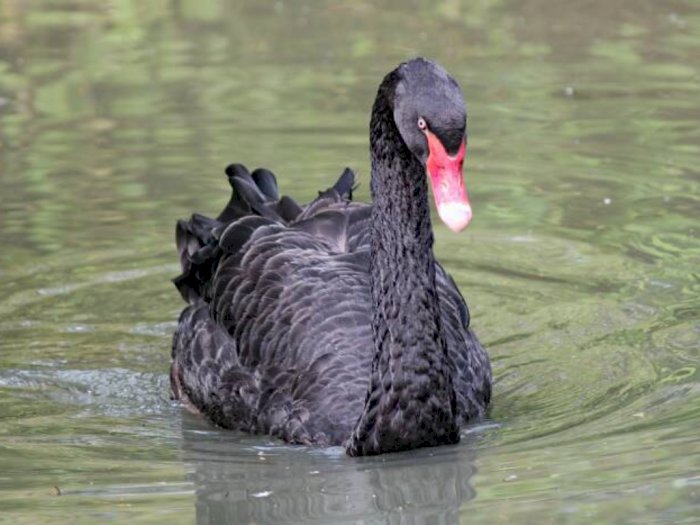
(332, 323)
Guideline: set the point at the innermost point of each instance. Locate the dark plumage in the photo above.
(332, 323)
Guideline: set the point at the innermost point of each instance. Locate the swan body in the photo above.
(331, 323)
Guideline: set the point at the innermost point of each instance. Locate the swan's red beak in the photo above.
(447, 181)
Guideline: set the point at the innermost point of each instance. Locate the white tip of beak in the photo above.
(456, 215)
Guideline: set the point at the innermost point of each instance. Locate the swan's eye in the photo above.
(421, 124)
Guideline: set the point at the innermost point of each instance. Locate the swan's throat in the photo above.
(411, 400)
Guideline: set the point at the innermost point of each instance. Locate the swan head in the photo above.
(431, 117)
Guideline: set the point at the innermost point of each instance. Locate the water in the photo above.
(581, 266)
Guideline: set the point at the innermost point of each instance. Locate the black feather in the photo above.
(331, 323)
(267, 183)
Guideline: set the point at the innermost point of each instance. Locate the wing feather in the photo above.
(277, 337)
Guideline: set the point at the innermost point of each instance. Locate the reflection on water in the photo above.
(580, 266)
(247, 480)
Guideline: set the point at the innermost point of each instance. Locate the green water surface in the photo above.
(581, 267)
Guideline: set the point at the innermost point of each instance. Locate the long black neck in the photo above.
(411, 400)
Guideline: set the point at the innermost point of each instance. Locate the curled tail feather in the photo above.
(255, 195)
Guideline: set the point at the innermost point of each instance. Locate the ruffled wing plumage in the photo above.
(276, 337)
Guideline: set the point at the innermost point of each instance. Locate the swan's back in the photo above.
(277, 334)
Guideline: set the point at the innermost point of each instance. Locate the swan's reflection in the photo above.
(246, 479)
